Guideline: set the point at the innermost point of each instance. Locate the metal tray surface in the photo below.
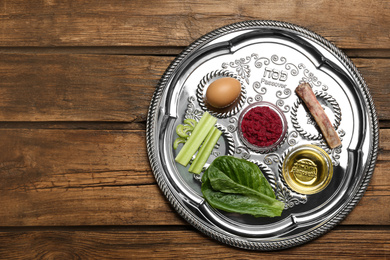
(270, 59)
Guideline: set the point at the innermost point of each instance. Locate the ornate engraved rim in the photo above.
(240, 242)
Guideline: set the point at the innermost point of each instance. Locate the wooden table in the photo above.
(76, 80)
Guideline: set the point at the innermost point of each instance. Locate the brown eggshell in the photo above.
(223, 92)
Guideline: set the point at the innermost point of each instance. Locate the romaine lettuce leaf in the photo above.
(236, 185)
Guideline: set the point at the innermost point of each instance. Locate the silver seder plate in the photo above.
(270, 59)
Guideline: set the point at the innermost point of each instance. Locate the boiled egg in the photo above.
(223, 92)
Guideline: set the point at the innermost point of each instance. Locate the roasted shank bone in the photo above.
(305, 92)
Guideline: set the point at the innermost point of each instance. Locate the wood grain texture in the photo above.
(337, 244)
(77, 87)
(356, 24)
(153, 50)
(54, 177)
(110, 87)
(76, 80)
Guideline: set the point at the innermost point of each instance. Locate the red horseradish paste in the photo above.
(261, 126)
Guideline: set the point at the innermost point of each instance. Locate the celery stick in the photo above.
(205, 151)
(205, 124)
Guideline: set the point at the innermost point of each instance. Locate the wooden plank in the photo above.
(105, 205)
(94, 125)
(110, 87)
(78, 87)
(145, 50)
(378, 80)
(93, 177)
(367, 53)
(141, 244)
(78, 177)
(178, 23)
(154, 50)
(68, 159)
(132, 206)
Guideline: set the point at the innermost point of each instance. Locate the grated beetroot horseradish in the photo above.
(261, 126)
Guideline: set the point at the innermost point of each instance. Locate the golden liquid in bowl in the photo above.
(307, 169)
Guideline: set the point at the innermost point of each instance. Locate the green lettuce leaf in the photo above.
(236, 185)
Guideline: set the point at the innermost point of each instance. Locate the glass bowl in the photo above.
(276, 141)
(307, 169)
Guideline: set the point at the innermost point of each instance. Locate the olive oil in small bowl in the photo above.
(307, 169)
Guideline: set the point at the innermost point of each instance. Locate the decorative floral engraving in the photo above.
(278, 61)
(291, 138)
(242, 67)
(294, 69)
(244, 151)
(280, 104)
(197, 177)
(336, 155)
(259, 90)
(259, 61)
(271, 158)
(310, 78)
(257, 98)
(286, 92)
(232, 126)
(283, 95)
(341, 133)
(191, 111)
(289, 198)
(216, 153)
